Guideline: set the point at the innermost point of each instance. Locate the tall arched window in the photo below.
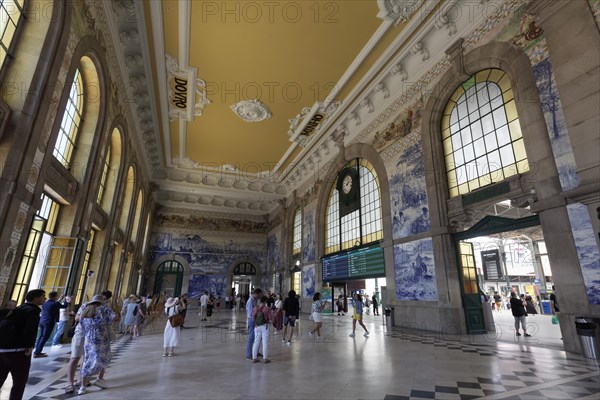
(109, 179)
(40, 237)
(71, 119)
(297, 233)
(11, 13)
(362, 226)
(481, 134)
(105, 169)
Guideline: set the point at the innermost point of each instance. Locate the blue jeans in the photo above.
(45, 332)
(250, 338)
(60, 328)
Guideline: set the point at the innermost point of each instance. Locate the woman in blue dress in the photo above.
(94, 323)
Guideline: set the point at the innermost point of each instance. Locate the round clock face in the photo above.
(347, 184)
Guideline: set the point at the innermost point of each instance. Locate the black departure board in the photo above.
(335, 267)
(366, 262)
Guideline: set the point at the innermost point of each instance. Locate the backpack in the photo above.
(259, 318)
(11, 327)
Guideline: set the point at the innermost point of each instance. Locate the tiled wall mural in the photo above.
(308, 281)
(210, 246)
(587, 250)
(273, 252)
(308, 232)
(557, 127)
(213, 284)
(414, 271)
(408, 190)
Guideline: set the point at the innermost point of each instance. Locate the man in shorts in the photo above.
(291, 308)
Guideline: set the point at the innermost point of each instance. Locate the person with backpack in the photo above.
(261, 315)
(50, 316)
(17, 339)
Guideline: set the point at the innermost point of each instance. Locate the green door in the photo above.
(169, 278)
(470, 289)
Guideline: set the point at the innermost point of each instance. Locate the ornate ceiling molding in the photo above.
(251, 110)
(398, 10)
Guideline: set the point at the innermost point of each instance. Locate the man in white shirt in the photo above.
(64, 316)
(203, 306)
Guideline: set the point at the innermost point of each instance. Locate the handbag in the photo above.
(176, 320)
(554, 320)
(112, 336)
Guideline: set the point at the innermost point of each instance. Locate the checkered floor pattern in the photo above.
(533, 374)
(45, 374)
(541, 377)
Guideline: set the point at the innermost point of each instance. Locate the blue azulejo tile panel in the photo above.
(308, 280)
(414, 270)
(587, 249)
(408, 191)
(555, 122)
(308, 242)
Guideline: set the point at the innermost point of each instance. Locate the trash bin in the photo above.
(546, 307)
(389, 316)
(586, 330)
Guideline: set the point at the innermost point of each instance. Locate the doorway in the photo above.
(169, 278)
(497, 256)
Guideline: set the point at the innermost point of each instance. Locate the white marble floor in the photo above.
(390, 365)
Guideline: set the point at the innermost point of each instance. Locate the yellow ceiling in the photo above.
(288, 57)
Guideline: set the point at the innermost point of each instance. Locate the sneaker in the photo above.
(266, 361)
(165, 354)
(366, 334)
(171, 354)
(282, 340)
(518, 334)
(101, 383)
(69, 389)
(351, 335)
(289, 342)
(40, 355)
(249, 358)
(527, 335)
(82, 390)
(311, 334)
(57, 346)
(254, 361)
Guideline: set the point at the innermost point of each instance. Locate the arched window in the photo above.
(297, 233)
(361, 226)
(11, 13)
(105, 169)
(40, 237)
(481, 134)
(110, 172)
(244, 268)
(69, 126)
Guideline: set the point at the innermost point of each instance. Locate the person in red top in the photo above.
(261, 315)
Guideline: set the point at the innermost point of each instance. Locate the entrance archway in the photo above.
(469, 277)
(169, 278)
(244, 274)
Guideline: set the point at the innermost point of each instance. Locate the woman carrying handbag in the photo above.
(173, 308)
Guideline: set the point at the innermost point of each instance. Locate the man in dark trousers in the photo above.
(375, 305)
(17, 337)
(49, 318)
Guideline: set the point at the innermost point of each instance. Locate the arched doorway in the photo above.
(243, 276)
(169, 278)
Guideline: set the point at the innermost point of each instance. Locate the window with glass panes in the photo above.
(297, 233)
(32, 262)
(11, 13)
(105, 168)
(362, 226)
(69, 126)
(481, 135)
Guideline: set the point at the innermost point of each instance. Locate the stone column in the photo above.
(574, 46)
